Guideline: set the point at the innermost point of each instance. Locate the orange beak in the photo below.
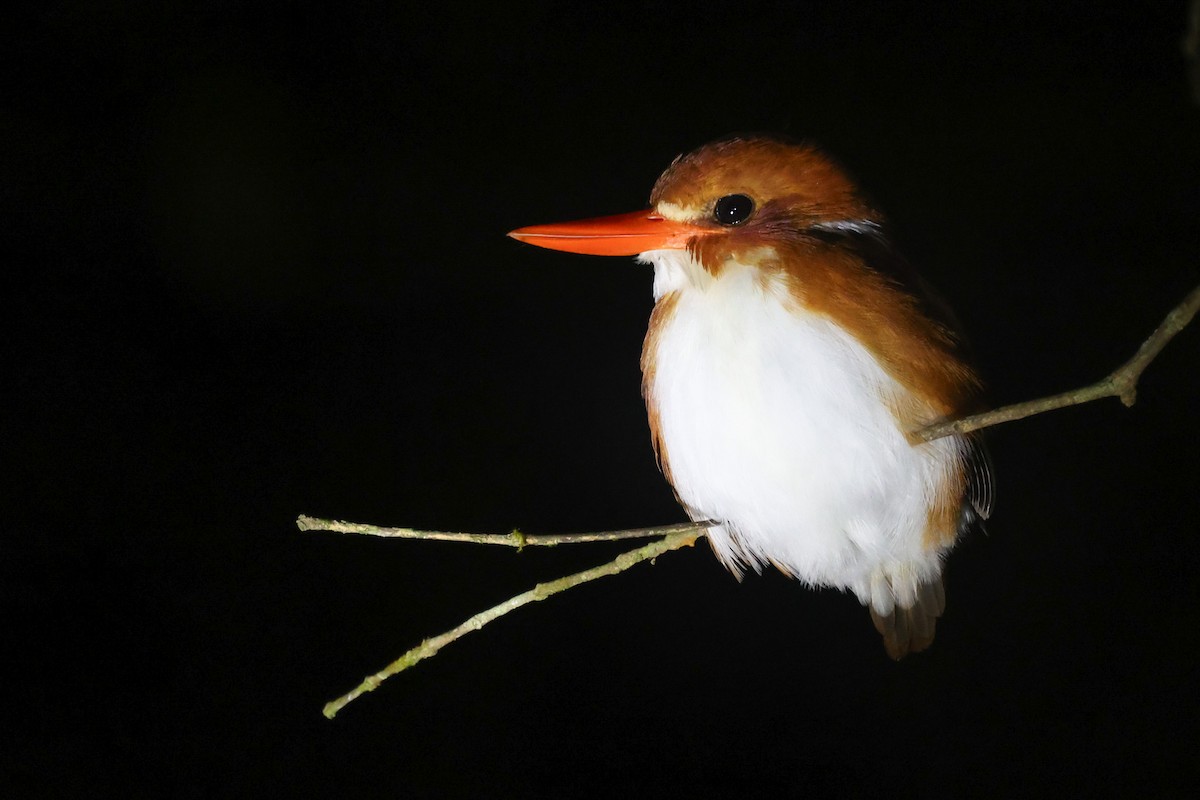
(618, 235)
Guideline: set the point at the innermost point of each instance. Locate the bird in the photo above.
(791, 358)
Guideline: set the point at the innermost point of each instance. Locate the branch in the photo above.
(1121, 383)
(684, 537)
(515, 539)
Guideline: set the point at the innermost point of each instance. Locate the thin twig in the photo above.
(541, 591)
(1121, 383)
(515, 539)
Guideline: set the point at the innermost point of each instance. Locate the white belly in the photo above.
(774, 422)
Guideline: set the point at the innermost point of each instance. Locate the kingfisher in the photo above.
(792, 358)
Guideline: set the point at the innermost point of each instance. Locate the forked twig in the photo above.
(673, 541)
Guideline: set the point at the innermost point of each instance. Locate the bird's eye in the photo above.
(733, 209)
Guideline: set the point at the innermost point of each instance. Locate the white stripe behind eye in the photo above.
(863, 226)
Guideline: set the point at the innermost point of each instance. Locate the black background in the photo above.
(255, 267)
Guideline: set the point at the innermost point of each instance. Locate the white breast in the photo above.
(775, 423)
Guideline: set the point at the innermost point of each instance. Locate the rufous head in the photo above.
(722, 198)
(790, 212)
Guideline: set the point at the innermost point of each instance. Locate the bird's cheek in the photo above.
(710, 253)
(716, 253)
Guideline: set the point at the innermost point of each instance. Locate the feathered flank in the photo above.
(659, 319)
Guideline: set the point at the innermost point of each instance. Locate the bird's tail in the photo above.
(909, 628)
